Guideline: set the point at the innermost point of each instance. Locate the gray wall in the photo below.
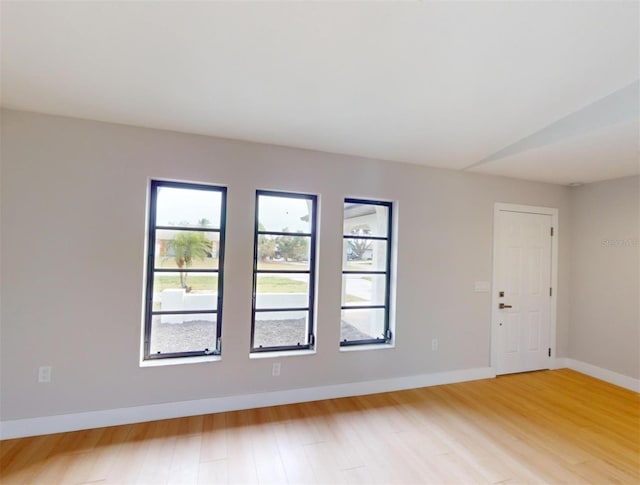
(605, 263)
(73, 228)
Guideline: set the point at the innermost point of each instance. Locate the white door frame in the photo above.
(500, 206)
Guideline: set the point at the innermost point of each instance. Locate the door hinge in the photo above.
(549, 351)
(552, 231)
(550, 291)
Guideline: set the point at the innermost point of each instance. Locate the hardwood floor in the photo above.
(551, 426)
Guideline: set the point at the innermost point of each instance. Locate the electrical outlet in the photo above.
(275, 371)
(44, 374)
(434, 344)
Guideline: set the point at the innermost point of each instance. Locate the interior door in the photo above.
(522, 282)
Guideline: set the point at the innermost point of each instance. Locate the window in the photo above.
(183, 306)
(283, 271)
(366, 272)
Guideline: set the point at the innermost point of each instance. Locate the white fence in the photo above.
(180, 300)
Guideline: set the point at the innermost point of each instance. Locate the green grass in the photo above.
(278, 284)
(197, 283)
(277, 265)
(170, 263)
(210, 263)
(266, 284)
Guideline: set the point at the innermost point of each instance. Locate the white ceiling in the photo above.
(446, 84)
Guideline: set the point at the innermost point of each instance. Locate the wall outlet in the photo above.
(434, 344)
(275, 371)
(44, 374)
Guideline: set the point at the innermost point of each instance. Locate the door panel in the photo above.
(534, 331)
(523, 272)
(513, 333)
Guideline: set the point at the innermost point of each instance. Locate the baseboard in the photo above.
(559, 363)
(19, 428)
(604, 374)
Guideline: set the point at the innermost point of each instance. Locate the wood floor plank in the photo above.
(214, 438)
(82, 446)
(241, 466)
(130, 454)
(264, 443)
(542, 427)
(213, 472)
(294, 459)
(107, 450)
(156, 465)
(28, 459)
(185, 463)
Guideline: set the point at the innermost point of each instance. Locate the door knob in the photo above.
(502, 306)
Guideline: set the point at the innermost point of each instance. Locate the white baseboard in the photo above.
(19, 428)
(604, 374)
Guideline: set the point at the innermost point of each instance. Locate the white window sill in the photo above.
(180, 361)
(280, 353)
(355, 348)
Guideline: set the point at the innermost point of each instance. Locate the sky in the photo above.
(179, 205)
(175, 206)
(278, 213)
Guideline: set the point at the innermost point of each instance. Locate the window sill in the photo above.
(280, 353)
(355, 348)
(180, 361)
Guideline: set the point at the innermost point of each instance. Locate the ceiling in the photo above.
(535, 90)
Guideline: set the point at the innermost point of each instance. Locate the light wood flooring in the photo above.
(550, 426)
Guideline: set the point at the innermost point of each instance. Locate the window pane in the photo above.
(287, 214)
(364, 255)
(282, 290)
(185, 291)
(191, 249)
(276, 329)
(363, 324)
(183, 333)
(284, 252)
(186, 268)
(188, 207)
(360, 289)
(365, 219)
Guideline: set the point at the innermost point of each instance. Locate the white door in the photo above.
(522, 291)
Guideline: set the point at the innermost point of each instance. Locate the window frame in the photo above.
(151, 270)
(311, 271)
(388, 334)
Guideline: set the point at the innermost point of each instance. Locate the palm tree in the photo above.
(188, 246)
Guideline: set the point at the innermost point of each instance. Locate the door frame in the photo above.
(553, 212)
